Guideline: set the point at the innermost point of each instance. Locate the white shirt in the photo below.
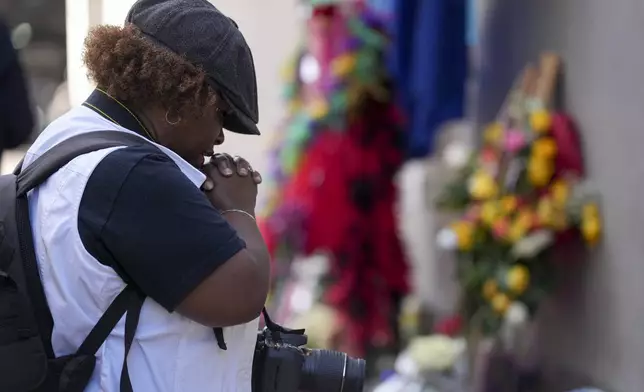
(170, 353)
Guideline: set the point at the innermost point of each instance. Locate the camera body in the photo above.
(278, 361)
(283, 364)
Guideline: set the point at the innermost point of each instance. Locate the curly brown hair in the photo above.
(135, 70)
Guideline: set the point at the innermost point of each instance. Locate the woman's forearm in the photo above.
(248, 231)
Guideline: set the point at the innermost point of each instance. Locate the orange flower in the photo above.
(540, 171)
(546, 211)
(527, 218)
(544, 147)
(501, 228)
(509, 204)
(560, 191)
(488, 156)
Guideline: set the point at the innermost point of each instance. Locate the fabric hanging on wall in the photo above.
(335, 166)
(382, 7)
(428, 61)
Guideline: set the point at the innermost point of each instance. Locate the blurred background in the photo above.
(368, 109)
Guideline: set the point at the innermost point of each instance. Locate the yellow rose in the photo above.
(482, 186)
(526, 218)
(590, 210)
(591, 226)
(518, 279)
(518, 230)
(591, 230)
(493, 133)
(343, 65)
(540, 171)
(540, 121)
(544, 147)
(509, 204)
(490, 289)
(464, 234)
(500, 303)
(560, 192)
(545, 211)
(490, 211)
(318, 108)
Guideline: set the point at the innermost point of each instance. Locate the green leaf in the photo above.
(369, 36)
(339, 101)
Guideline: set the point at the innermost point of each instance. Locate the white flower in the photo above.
(532, 244)
(435, 353)
(406, 366)
(310, 70)
(517, 314)
(446, 239)
(456, 155)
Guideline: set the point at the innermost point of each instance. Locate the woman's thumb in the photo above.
(208, 185)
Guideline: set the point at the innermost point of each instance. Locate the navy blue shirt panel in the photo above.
(143, 217)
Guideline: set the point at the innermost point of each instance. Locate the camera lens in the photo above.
(332, 371)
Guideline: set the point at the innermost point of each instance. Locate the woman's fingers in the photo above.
(223, 163)
(228, 165)
(243, 167)
(257, 177)
(208, 185)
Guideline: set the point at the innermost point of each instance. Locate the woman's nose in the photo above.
(220, 139)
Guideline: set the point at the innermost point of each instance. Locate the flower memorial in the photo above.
(521, 195)
(331, 188)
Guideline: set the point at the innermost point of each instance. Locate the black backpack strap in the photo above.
(61, 154)
(33, 283)
(34, 175)
(131, 322)
(128, 301)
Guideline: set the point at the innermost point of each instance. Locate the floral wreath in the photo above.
(521, 195)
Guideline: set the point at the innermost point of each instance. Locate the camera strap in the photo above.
(219, 335)
(277, 329)
(270, 324)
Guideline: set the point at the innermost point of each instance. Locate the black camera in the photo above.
(283, 364)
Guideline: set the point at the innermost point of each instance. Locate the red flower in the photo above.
(450, 326)
(569, 157)
(325, 11)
